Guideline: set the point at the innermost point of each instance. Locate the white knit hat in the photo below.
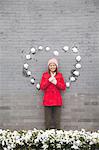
(53, 60)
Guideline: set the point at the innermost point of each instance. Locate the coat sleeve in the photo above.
(44, 82)
(60, 83)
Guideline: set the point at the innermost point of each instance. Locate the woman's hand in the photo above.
(52, 76)
(53, 80)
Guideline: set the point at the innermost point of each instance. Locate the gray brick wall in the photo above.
(53, 23)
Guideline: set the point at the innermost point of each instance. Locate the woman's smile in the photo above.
(52, 67)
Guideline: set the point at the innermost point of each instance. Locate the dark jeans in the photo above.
(52, 117)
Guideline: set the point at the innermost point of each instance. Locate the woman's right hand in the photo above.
(51, 78)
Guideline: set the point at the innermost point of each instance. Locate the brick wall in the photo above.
(54, 23)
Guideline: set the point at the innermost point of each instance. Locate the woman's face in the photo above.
(52, 67)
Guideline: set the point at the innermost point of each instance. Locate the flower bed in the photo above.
(49, 140)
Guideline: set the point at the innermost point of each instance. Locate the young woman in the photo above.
(51, 83)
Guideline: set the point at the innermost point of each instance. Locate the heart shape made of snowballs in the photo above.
(74, 72)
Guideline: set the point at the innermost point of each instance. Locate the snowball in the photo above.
(38, 86)
(65, 48)
(78, 58)
(72, 79)
(32, 80)
(40, 47)
(56, 53)
(33, 50)
(28, 56)
(47, 48)
(26, 66)
(67, 84)
(78, 66)
(76, 73)
(74, 49)
(28, 73)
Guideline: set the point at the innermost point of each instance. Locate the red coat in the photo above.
(52, 96)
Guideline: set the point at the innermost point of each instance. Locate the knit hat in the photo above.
(53, 60)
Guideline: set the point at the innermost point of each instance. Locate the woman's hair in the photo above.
(54, 71)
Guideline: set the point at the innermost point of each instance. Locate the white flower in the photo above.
(28, 73)
(56, 53)
(9, 147)
(5, 148)
(45, 147)
(28, 57)
(65, 48)
(75, 147)
(74, 49)
(26, 66)
(33, 50)
(58, 145)
(40, 48)
(3, 143)
(15, 133)
(78, 58)
(1, 131)
(78, 66)
(9, 140)
(38, 86)
(47, 48)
